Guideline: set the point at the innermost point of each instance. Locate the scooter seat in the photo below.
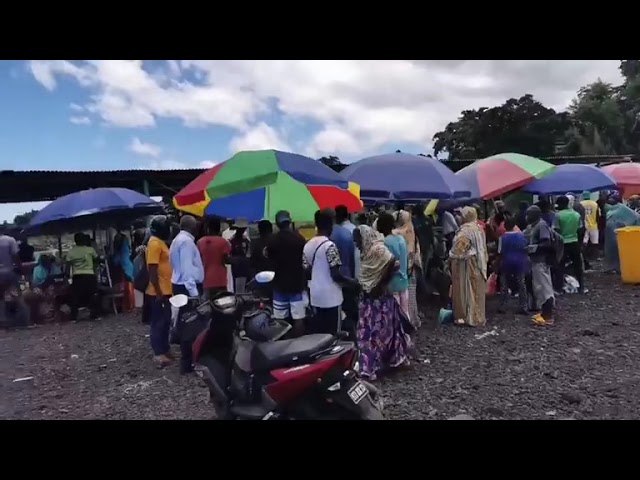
(283, 353)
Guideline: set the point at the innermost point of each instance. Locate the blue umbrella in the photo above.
(572, 177)
(401, 176)
(89, 208)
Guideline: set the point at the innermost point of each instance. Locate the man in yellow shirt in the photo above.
(591, 219)
(159, 289)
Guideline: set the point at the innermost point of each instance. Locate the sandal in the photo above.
(538, 320)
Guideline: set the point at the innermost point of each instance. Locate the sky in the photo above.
(158, 114)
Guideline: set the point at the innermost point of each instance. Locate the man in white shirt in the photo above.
(322, 260)
(187, 276)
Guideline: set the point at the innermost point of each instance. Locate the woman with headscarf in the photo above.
(468, 259)
(382, 339)
(618, 216)
(399, 284)
(405, 229)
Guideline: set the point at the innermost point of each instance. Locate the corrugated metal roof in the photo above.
(192, 170)
(554, 158)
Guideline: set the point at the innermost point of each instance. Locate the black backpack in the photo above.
(239, 246)
(141, 276)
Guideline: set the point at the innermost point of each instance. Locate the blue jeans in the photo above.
(160, 322)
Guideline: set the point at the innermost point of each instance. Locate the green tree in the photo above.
(629, 100)
(598, 121)
(24, 219)
(331, 161)
(521, 125)
(630, 69)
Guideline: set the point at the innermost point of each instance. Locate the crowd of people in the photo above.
(46, 288)
(370, 278)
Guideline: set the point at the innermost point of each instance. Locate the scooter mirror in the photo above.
(179, 301)
(265, 277)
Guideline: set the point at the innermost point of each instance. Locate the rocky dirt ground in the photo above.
(584, 367)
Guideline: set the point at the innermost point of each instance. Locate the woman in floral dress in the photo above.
(381, 334)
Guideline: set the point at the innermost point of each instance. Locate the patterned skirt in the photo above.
(382, 340)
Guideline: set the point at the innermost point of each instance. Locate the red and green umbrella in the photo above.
(493, 176)
(256, 184)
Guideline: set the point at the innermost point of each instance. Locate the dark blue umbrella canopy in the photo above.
(572, 177)
(88, 208)
(401, 176)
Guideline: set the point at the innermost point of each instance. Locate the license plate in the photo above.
(358, 392)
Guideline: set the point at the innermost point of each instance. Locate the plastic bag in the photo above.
(492, 284)
(445, 316)
(571, 285)
(230, 282)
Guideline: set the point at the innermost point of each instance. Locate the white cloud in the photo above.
(145, 149)
(357, 105)
(76, 108)
(172, 164)
(259, 137)
(80, 120)
(163, 164)
(330, 140)
(8, 211)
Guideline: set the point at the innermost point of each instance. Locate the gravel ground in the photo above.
(584, 367)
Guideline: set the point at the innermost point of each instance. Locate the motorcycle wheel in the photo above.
(371, 410)
(374, 393)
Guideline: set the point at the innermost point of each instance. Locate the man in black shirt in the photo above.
(26, 251)
(260, 263)
(284, 251)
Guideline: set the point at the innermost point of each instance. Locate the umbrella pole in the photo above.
(60, 246)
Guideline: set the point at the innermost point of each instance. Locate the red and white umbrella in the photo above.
(626, 176)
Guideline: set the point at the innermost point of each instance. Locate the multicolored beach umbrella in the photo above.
(493, 176)
(256, 184)
(626, 175)
(572, 177)
(401, 176)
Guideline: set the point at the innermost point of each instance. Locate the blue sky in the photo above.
(121, 114)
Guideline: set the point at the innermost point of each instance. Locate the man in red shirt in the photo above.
(214, 251)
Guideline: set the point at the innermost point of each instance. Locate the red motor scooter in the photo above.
(253, 375)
